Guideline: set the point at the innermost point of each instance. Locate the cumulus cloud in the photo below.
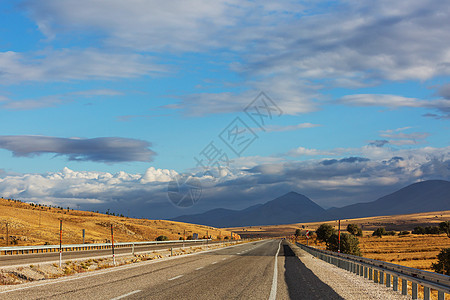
(302, 151)
(104, 149)
(329, 182)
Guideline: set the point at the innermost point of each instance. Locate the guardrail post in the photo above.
(404, 287)
(381, 277)
(388, 280)
(370, 274)
(361, 270)
(395, 283)
(426, 293)
(357, 269)
(132, 249)
(415, 290)
(441, 295)
(365, 271)
(375, 276)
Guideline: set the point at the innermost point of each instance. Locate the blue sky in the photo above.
(103, 105)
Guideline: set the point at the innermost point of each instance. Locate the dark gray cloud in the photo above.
(378, 143)
(328, 162)
(444, 91)
(103, 149)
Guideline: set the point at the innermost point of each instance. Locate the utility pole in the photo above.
(60, 243)
(339, 237)
(112, 241)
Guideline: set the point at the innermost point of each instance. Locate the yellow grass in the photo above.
(416, 251)
(31, 225)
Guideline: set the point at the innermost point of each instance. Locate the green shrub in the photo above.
(445, 227)
(354, 229)
(349, 244)
(162, 238)
(324, 232)
(443, 264)
(379, 232)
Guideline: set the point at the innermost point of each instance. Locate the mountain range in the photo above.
(425, 196)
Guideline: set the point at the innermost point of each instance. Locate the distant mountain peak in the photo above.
(291, 207)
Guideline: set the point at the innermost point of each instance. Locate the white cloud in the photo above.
(277, 128)
(65, 65)
(302, 151)
(54, 100)
(330, 182)
(292, 51)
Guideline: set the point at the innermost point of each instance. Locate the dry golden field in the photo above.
(31, 225)
(416, 251)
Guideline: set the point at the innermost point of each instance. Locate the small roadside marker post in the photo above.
(307, 237)
(7, 235)
(339, 237)
(112, 243)
(60, 243)
(84, 233)
(184, 237)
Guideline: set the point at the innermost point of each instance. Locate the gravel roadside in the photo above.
(347, 285)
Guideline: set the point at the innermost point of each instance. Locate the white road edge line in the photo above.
(199, 268)
(273, 290)
(126, 295)
(214, 263)
(176, 277)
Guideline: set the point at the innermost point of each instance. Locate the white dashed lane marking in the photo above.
(176, 277)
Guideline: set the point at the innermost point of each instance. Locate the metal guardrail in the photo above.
(78, 247)
(381, 272)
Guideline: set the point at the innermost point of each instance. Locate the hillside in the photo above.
(29, 224)
(289, 208)
(426, 196)
(368, 224)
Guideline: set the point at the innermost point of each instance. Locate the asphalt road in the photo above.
(246, 271)
(35, 258)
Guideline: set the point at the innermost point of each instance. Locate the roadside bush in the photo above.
(162, 238)
(298, 233)
(391, 232)
(349, 244)
(354, 229)
(324, 232)
(427, 230)
(445, 227)
(379, 232)
(443, 264)
(404, 232)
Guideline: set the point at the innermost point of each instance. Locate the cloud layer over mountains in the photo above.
(327, 181)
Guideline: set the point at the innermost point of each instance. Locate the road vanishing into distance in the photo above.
(36, 258)
(265, 269)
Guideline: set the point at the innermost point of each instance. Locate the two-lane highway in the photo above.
(246, 271)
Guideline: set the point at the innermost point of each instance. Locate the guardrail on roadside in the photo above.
(98, 246)
(386, 273)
